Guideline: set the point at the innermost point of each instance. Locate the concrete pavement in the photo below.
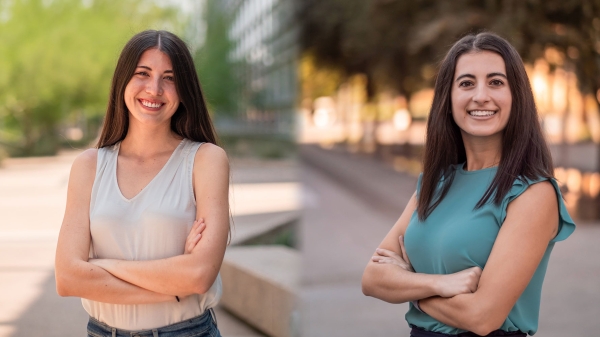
(351, 202)
(32, 201)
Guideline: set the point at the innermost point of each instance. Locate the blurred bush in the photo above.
(215, 69)
(57, 58)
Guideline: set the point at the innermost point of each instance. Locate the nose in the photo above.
(154, 87)
(481, 94)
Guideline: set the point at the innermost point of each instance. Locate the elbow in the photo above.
(202, 282)
(484, 328)
(485, 321)
(62, 287)
(201, 288)
(367, 285)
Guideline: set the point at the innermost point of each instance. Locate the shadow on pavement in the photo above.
(51, 315)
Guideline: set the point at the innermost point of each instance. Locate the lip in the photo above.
(495, 112)
(150, 101)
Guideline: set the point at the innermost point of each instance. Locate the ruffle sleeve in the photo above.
(566, 225)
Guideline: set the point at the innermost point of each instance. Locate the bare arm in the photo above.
(395, 284)
(75, 276)
(531, 222)
(195, 272)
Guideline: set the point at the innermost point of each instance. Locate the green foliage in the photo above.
(215, 70)
(56, 63)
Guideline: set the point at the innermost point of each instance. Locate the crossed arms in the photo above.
(473, 300)
(153, 281)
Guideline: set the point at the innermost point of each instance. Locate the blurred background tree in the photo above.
(57, 58)
(216, 72)
(398, 43)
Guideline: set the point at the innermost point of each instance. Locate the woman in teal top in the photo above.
(471, 248)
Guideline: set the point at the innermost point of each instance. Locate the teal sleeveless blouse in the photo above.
(456, 236)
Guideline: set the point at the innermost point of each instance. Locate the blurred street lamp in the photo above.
(322, 117)
(324, 114)
(402, 120)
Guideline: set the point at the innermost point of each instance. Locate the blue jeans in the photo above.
(204, 325)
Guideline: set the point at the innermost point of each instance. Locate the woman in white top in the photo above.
(138, 205)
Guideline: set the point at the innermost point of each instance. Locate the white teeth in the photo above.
(151, 105)
(481, 113)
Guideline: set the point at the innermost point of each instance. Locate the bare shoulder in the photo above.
(541, 194)
(535, 209)
(210, 157)
(84, 164)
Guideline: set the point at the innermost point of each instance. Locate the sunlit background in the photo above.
(367, 72)
(336, 92)
(57, 59)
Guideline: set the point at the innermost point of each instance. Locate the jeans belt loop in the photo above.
(154, 333)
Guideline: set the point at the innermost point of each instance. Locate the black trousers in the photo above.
(418, 332)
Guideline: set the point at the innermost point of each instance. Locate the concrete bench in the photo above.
(260, 286)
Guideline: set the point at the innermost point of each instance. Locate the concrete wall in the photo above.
(260, 286)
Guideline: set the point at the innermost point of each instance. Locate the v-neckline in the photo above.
(116, 180)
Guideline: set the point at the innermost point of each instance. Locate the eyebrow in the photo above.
(146, 67)
(473, 77)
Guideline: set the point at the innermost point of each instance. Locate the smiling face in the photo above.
(151, 96)
(481, 98)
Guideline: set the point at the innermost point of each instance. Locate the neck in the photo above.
(482, 153)
(147, 141)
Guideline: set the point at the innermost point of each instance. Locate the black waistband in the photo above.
(419, 332)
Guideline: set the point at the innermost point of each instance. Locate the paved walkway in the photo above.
(32, 201)
(351, 202)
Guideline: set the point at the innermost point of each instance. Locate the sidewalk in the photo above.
(32, 201)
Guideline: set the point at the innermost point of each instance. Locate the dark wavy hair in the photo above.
(524, 150)
(191, 120)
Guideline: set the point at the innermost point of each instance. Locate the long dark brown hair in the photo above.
(524, 150)
(191, 120)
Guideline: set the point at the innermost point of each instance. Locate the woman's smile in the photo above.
(482, 113)
(150, 104)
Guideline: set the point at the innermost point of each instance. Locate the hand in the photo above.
(195, 235)
(388, 256)
(463, 282)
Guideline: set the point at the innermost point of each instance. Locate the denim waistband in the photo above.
(419, 332)
(199, 324)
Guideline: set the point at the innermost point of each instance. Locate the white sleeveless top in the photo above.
(152, 225)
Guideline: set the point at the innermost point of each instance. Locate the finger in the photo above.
(385, 252)
(381, 259)
(402, 249)
(195, 226)
(197, 239)
(201, 228)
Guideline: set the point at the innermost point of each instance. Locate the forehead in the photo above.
(479, 63)
(155, 59)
